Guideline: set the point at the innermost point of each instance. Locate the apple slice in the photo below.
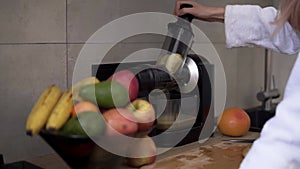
(174, 62)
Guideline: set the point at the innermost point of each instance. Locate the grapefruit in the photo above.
(234, 122)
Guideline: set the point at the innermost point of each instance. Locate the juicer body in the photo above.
(179, 86)
(197, 106)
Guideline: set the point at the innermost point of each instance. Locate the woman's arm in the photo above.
(205, 13)
(246, 25)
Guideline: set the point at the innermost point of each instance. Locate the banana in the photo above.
(61, 112)
(41, 110)
(78, 85)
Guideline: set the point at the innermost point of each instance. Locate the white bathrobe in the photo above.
(279, 144)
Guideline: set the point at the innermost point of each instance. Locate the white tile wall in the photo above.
(250, 80)
(86, 17)
(282, 66)
(229, 60)
(276, 2)
(43, 39)
(25, 71)
(214, 31)
(135, 6)
(32, 21)
(122, 52)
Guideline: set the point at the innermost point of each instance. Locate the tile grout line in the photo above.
(34, 43)
(67, 46)
(83, 43)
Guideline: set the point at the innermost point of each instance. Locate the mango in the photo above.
(107, 94)
(84, 124)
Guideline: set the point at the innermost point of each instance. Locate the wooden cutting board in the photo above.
(216, 156)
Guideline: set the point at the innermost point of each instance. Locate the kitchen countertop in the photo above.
(53, 161)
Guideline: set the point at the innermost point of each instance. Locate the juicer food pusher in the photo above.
(173, 69)
(176, 46)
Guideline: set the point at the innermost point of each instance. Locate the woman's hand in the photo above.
(205, 13)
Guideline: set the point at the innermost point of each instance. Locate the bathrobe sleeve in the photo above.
(279, 144)
(249, 25)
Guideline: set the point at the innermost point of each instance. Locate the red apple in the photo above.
(143, 112)
(141, 152)
(119, 121)
(129, 81)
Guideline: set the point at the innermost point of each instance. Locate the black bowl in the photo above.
(80, 152)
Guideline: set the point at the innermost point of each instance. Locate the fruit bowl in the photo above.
(80, 152)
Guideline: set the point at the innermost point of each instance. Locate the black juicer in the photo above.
(181, 79)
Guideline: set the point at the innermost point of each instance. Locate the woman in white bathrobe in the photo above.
(246, 25)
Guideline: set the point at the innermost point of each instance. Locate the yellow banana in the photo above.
(78, 85)
(41, 110)
(61, 112)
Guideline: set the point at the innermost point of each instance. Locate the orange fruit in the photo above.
(234, 122)
(84, 106)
